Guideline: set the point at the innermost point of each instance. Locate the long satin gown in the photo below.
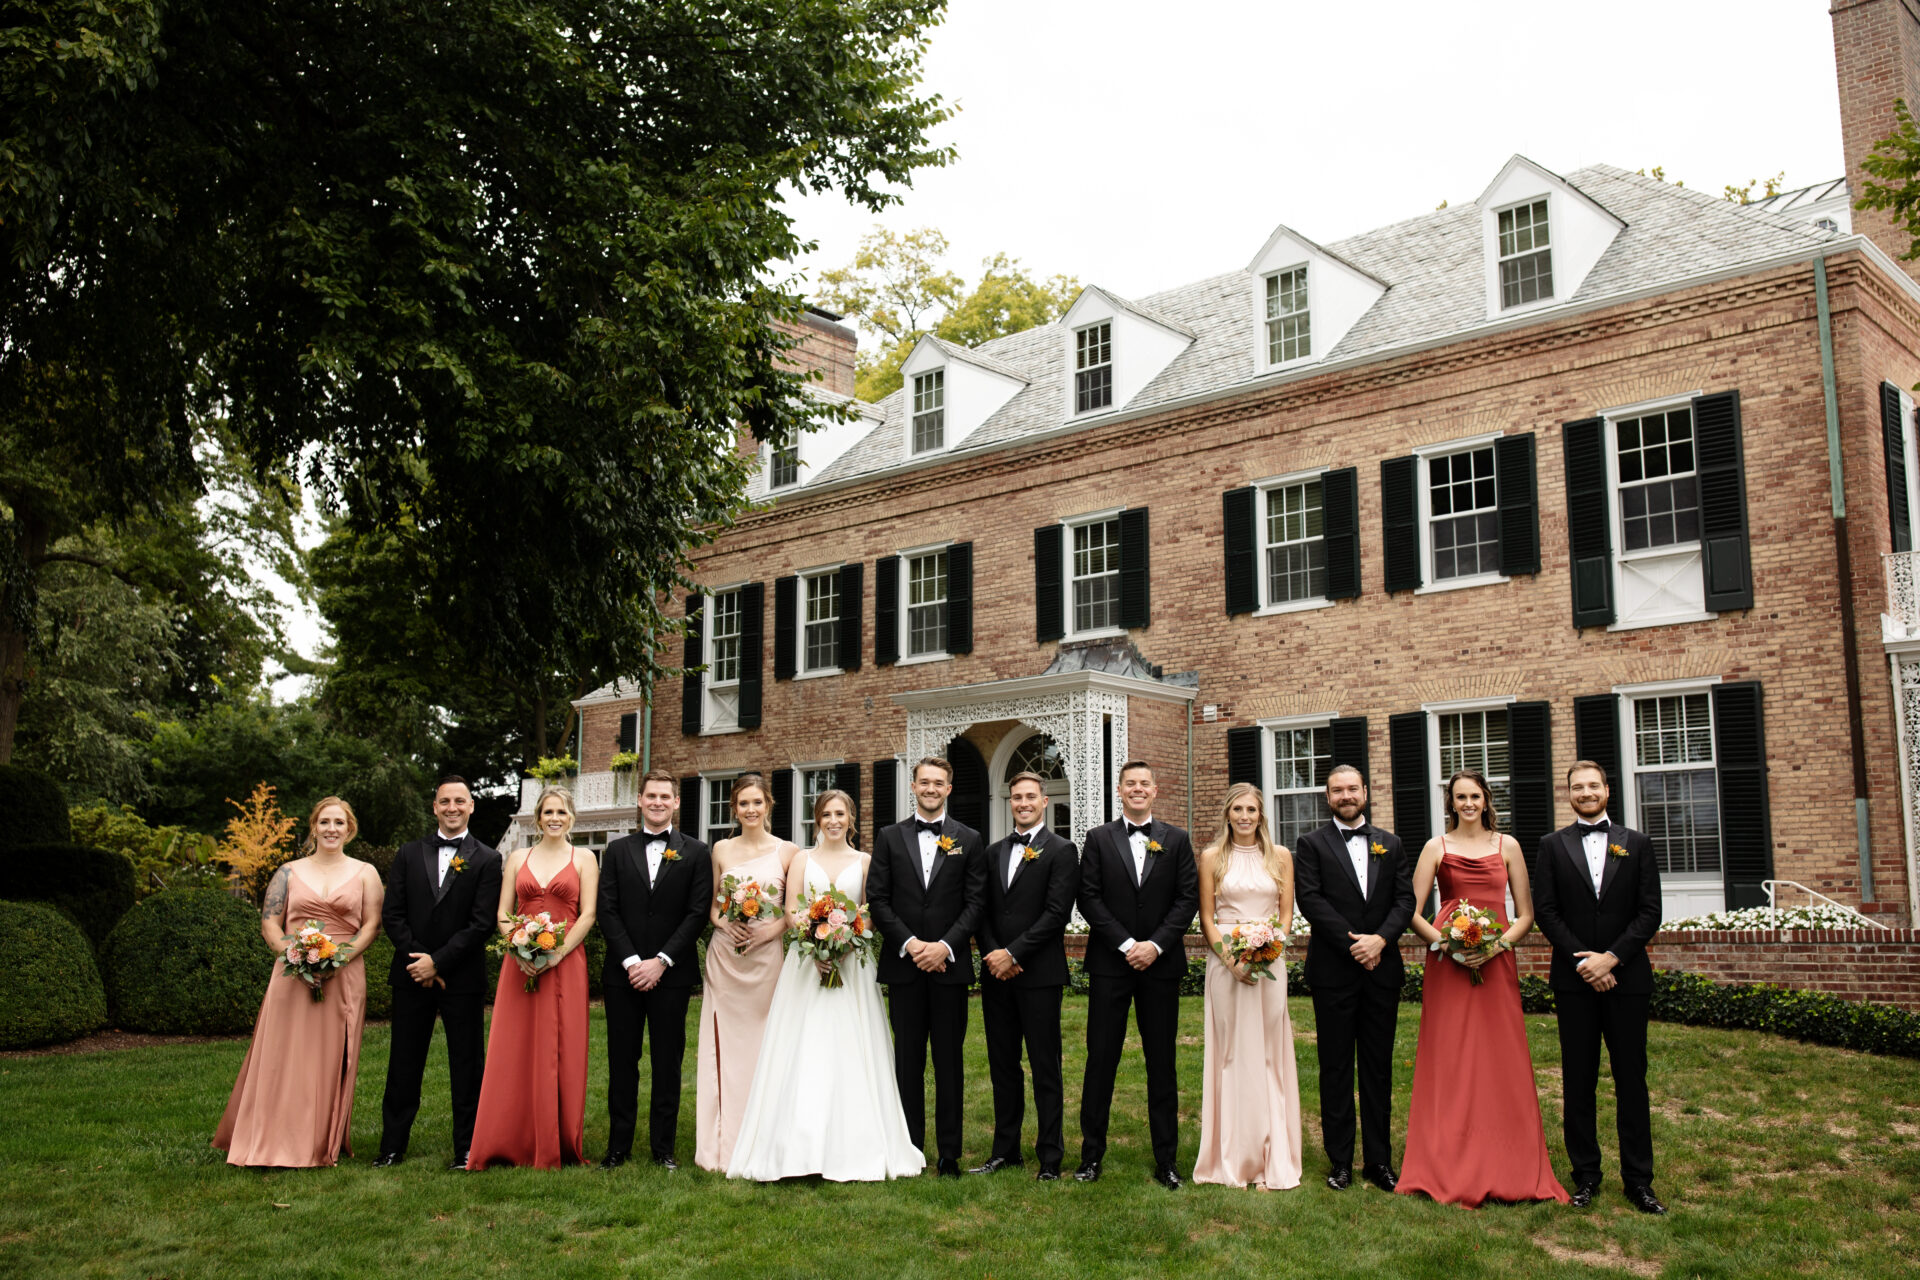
(1250, 1093)
(533, 1098)
(733, 1017)
(293, 1103)
(1473, 1127)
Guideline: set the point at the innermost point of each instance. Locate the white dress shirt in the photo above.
(1355, 839)
(1021, 839)
(447, 854)
(929, 846)
(1137, 841)
(655, 843)
(1594, 845)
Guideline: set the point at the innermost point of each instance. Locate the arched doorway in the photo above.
(1027, 751)
(969, 800)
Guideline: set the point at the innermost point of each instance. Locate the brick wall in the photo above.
(1876, 54)
(826, 346)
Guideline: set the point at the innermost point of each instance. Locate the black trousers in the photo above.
(922, 1014)
(414, 1009)
(1588, 1017)
(632, 1016)
(1156, 1011)
(1356, 1022)
(1028, 1016)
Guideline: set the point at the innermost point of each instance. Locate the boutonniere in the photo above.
(458, 864)
(1153, 847)
(946, 844)
(1029, 852)
(1617, 850)
(1376, 850)
(669, 854)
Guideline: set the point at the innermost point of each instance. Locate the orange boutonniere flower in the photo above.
(1377, 850)
(458, 864)
(669, 855)
(1029, 852)
(1617, 850)
(1153, 847)
(946, 844)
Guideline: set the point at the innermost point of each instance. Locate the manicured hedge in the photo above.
(36, 811)
(1816, 1016)
(187, 962)
(50, 989)
(379, 964)
(93, 886)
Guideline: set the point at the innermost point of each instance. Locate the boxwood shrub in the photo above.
(187, 962)
(36, 811)
(50, 989)
(95, 887)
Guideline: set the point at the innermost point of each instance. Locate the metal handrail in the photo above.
(1771, 885)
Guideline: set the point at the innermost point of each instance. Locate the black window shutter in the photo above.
(852, 610)
(1400, 521)
(1407, 757)
(886, 611)
(1238, 524)
(846, 777)
(1746, 834)
(1589, 521)
(1340, 517)
(1530, 780)
(1049, 604)
(1349, 742)
(1243, 756)
(1513, 472)
(782, 823)
(753, 630)
(630, 731)
(1894, 432)
(691, 814)
(1725, 561)
(960, 598)
(884, 786)
(1596, 734)
(690, 683)
(1136, 608)
(786, 610)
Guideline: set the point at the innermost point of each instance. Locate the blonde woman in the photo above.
(1250, 1096)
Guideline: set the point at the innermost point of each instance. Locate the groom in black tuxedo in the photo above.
(442, 893)
(1596, 895)
(1355, 887)
(927, 886)
(1032, 877)
(655, 886)
(1139, 890)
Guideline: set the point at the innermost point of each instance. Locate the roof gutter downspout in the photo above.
(1856, 729)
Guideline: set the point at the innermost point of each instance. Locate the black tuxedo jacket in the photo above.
(642, 920)
(1336, 904)
(1158, 909)
(1622, 919)
(945, 909)
(450, 920)
(1029, 917)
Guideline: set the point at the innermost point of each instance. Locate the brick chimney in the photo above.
(826, 345)
(1876, 56)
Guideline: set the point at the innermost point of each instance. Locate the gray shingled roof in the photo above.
(1436, 287)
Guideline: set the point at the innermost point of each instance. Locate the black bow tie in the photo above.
(451, 844)
(1348, 833)
(1141, 830)
(1590, 828)
(931, 828)
(648, 837)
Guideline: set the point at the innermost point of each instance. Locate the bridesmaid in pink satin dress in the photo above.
(292, 1105)
(1473, 1128)
(739, 984)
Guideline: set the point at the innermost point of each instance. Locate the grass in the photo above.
(1775, 1159)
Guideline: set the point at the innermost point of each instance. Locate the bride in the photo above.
(823, 1099)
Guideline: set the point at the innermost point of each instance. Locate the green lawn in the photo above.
(1776, 1158)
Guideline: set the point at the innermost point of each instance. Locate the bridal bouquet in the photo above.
(312, 956)
(1468, 931)
(835, 926)
(747, 902)
(1255, 944)
(534, 939)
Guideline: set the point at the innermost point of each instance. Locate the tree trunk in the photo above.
(539, 726)
(13, 637)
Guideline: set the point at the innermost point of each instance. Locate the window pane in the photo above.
(784, 469)
(1478, 740)
(1680, 812)
(1093, 360)
(812, 783)
(1659, 495)
(1301, 761)
(927, 604)
(823, 622)
(1673, 730)
(929, 410)
(1096, 575)
(719, 793)
(1289, 326)
(1463, 499)
(725, 658)
(1296, 545)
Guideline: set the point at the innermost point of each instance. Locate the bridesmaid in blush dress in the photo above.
(743, 966)
(1250, 1095)
(533, 1098)
(1473, 1128)
(293, 1103)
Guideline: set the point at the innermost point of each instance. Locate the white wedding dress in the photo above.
(824, 1101)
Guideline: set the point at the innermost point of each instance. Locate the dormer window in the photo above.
(1289, 323)
(1526, 262)
(783, 466)
(929, 411)
(1093, 368)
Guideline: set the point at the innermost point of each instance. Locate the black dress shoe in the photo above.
(995, 1164)
(1380, 1176)
(948, 1167)
(1048, 1173)
(387, 1159)
(1583, 1193)
(1340, 1177)
(668, 1163)
(1089, 1171)
(459, 1162)
(1643, 1199)
(613, 1159)
(1166, 1177)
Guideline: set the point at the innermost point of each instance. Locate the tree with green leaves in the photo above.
(1892, 167)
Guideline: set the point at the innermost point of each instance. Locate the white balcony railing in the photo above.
(606, 790)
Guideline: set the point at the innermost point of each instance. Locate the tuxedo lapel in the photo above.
(433, 869)
(1609, 867)
(1373, 863)
(1576, 857)
(1039, 841)
(939, 858)
(1334, 838)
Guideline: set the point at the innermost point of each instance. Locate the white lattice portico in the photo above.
(1900, 634)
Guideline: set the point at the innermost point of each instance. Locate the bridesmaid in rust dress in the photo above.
(739, 982)
(533, 1098)
(293, 1103)
(1473, 1129)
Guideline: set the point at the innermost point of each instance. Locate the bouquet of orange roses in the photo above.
(747, 901)
(534, 939)
(835, 926)
(312, 956)
(1466, 931)
(1255, 944)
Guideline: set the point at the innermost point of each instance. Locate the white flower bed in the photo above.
(1819, 916)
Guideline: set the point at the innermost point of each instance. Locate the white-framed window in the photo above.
(1299, 755)
(1093, 575)
(783, 466)
(1471, 735)
(1293, 543)
(929, 411)
(1652, 472)
(1459, 499)
(812, 779)
(716, 805)
(1289, 318)
(1526, 257)
(820, 626)
(1093, 367)
(1671, 788)
(925, 614)
(722, 640)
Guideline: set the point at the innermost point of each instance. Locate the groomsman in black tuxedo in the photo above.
(654, 888)
(1354, 884)
(441, 896)
(1139, 890)
(1596, 895)
(1032, 877)
(927, 886)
